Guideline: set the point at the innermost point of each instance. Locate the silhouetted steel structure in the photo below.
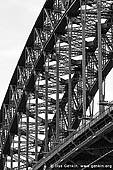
(47, 119)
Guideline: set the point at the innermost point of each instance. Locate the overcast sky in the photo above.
(17, 18)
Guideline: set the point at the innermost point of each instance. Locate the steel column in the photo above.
(27, 134)
(99, 57)
(46, 100)
(83, 20)
(36, 120)
(69, 80)
(57, 87)
(19, 134)
(11, 150)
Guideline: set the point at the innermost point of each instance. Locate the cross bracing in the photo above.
(64, 62)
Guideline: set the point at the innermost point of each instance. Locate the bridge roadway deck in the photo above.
(91, 136)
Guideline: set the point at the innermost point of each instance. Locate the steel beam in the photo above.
(11, 151)
(83, 21)
(99, 57)
(19, 139)
(57, 87)
(69, 80)
(46, 102)
(27, 133)
(36, 118)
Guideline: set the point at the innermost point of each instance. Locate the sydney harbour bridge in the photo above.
(47, 118)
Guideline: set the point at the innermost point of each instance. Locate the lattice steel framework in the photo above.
(50, 96)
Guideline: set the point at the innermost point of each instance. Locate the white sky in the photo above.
(17, 18)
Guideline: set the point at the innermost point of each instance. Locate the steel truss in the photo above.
(65, 61)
